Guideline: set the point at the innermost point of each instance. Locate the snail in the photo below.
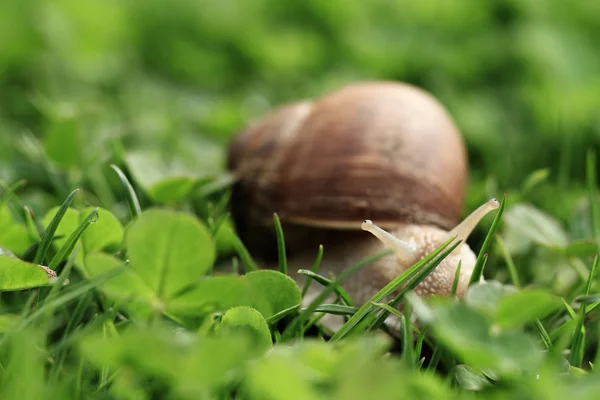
(369, 166)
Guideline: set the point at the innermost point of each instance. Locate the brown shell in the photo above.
(383, 151)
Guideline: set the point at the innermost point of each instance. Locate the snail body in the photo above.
(381, 157)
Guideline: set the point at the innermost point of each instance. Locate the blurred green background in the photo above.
(162, 86)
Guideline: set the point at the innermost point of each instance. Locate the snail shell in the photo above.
(383, 151)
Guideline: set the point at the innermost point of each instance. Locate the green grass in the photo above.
(114, 124)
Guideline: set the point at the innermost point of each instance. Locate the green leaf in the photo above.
(169, 250)
(225, 236)
(63, 143)
(169, 179)
(269, 292)
(127, 285)
(535, 225)
(158, 175)
(214, 293)
(486, 296)
(173, 189)
(52, 227)
(16, 274)
(469, 335)
(577, 248)
(106, 232)
(280, 291)
(228, 354)
(468, 379)
(249, 321)
(146, 352)
(191, 365)
(13, 236)
(527, 306)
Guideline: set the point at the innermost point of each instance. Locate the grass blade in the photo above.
(407, 335)
(390, 288)
(544, 334)
(588, 299)
(62, 278)
(280, 245)
(389, 309)
(578, 344)
(244, 254)
(481, 258)
(512, 269)
(9, 191)
(456, 278)
(282, 314)
(590, 280)
(132, 199)
(66, 248)
(408, 353)
(592, 184)
(435, 359)
(578, 341)
(419, 344)
(336, 309)
(315, 268)
(572, 313)
(420, 276)
(217, 225)
(34, 230)
(326, 282)
(42, 250)
(297, 323)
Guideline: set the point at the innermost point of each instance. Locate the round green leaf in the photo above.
(126, 285)
(16, 274)
(278, 291)
(13, 236)
(248, 321)
(164, 179)
(169, 250)
(172, 189)
(470, 336)
(486, 296)
(523, 307)
(469, 379)
(269, 292)
(214, 293)
(535, 225)
(105, 232)
(63, 143)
